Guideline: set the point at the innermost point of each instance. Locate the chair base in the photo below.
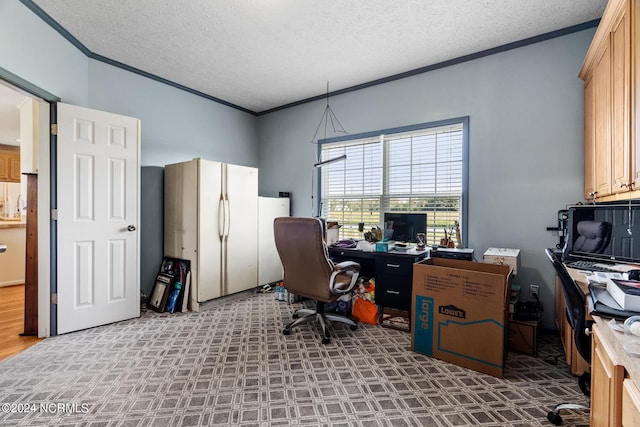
(584, 382)
(554, 416)
(305, 315)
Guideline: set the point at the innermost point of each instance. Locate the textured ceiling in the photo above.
(262, 54)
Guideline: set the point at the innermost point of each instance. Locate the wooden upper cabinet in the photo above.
(609, 128)
(9, 165)
(620, 95)
(635, 96)
(602, 119)
(589, 141)
(14, 168)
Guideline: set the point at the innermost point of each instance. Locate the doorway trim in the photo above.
(46, 196)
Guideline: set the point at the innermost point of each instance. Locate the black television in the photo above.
(620, 243)
(405, 225)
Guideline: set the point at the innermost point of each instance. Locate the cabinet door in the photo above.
(14, 168)
(606, 384)
(576, 362)
(630, 404)
(10, 166)
(602, 115)
(635, 99)
(620, 74)
(589, 141)
(4, 167)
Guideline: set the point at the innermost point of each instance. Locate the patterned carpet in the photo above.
(230, 365)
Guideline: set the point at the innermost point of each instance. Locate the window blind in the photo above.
(416, 171)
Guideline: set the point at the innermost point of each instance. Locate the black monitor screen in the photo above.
(405, 226)
(604, 233)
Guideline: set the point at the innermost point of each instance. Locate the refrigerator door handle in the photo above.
(221, 217)
(227, 217)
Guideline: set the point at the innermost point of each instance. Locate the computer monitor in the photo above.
(405, 225)
(612, 232)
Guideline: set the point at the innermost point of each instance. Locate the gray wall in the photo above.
(37, 53)
(525, 145)
(525, 109)
(151, 225)
(176, 125)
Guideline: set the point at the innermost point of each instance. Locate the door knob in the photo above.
(3, 247)
(131, 228)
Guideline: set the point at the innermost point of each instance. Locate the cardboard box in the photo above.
(460, 314)
(503, 256)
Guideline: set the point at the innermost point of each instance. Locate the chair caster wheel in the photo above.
(554, 418)
(286, 332)
(353, 327)
(325, 340)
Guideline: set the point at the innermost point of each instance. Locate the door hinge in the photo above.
(54, 129)
(54, 299)
(54, 214)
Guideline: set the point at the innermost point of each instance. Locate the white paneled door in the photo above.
(98, 164)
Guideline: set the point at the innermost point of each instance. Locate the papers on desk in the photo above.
(603, 304)
(602, 277)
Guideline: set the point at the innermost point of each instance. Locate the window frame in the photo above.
(464, 120)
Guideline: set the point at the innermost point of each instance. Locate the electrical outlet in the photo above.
(534, 290)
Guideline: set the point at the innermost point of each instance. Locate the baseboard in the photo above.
(11, 283)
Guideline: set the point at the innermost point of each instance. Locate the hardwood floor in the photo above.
(12, 322)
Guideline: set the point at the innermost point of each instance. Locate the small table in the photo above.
(523, 336)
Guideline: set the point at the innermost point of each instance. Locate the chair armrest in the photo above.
(348, 268)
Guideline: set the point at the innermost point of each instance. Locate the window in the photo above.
(421, 168)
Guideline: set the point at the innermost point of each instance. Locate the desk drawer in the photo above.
(393, 291)
(396, 266)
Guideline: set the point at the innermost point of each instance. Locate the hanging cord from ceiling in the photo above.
(328, 118)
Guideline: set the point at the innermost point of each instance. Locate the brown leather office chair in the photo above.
(310, 273)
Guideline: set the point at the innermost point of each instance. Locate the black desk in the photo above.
(393, 273)
(365, 259)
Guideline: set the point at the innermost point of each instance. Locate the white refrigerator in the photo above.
(211, 219)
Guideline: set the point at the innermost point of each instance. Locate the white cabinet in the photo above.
(269, 264)
(29, 135)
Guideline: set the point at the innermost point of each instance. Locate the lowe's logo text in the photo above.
(452, 310)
